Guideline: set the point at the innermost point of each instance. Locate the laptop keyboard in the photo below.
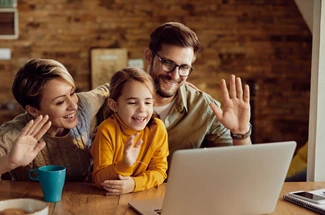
(158, 211)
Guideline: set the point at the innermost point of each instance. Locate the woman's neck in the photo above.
(59, 132)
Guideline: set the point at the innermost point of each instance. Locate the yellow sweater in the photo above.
(108, 153)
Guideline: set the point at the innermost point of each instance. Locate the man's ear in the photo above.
(147, 55)
(32, 111)
(112, 105)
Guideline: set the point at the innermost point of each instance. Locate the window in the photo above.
(8, 23)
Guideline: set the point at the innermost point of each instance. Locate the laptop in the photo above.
(223, 180)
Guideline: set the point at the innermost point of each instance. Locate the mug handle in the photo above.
(31, 176)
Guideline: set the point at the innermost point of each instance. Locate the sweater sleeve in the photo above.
(107, 155)
(156, 171)
(5, 140)
(9, 131)
(95, 98)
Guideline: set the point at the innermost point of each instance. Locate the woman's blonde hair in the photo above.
(31, 79)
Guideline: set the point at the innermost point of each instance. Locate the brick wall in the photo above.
(266, 42)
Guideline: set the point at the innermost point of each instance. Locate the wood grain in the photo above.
(84, 198)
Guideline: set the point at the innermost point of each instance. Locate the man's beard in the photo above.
(164, 94)
(159, 91)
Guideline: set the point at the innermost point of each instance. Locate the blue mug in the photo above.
(51, 178)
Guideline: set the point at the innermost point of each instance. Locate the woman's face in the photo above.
(60, 103)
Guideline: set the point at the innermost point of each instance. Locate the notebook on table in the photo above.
(223, 180)
(319, 208)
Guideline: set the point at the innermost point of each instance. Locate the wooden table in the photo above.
(77, 197)
(84, 198)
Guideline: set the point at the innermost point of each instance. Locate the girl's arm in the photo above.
(107, 153)
(156, 170)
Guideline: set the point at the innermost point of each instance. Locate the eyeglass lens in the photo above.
(169, 66)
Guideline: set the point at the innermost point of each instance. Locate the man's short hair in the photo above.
(174, 33)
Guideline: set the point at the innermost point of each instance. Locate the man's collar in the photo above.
(181, 99)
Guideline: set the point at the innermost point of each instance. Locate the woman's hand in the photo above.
(26, 146)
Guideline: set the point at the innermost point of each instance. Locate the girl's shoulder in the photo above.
(158, 121)
(157, 125)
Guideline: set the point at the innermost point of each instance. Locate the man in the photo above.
(190, 119)
(193, 118)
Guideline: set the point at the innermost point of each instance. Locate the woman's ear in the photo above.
(112, 105)
(147, 56)
(32, 111)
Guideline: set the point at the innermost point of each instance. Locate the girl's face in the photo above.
(135, 105)
(60, 102)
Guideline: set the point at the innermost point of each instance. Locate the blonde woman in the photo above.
(45, 87)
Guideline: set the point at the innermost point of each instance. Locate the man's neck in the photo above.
(161, 101)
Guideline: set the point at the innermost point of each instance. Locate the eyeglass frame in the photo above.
(162, 61)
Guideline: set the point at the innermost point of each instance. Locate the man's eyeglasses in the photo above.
(169, 66)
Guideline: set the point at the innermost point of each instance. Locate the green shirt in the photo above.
(191, 122)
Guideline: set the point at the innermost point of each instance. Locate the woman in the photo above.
(45, 87)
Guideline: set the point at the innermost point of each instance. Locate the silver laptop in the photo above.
(223, 180)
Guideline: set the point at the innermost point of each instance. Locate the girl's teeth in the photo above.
(137, 118)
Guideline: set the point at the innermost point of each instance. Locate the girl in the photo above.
(130, 148)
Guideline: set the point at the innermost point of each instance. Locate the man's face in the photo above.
(167, 84)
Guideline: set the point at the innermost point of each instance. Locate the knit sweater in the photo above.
(107, 150)
(71, 150)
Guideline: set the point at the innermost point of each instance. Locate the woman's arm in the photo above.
(95, 99)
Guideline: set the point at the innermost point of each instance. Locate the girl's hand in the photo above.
(131, 151)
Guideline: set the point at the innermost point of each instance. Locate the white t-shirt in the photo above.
(163, 111)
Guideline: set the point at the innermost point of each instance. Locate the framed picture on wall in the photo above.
(105, 62)
(8, 23)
